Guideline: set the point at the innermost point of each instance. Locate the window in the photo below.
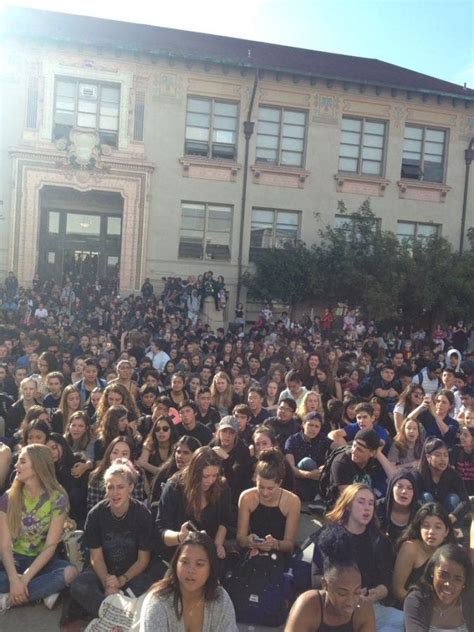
(362, 146)
(273, 229)
(77, 224)
(423, 154)
(205, 231)
(409, 232)
(211, 128)
(88, 106)
(350, 226)
(281, 136)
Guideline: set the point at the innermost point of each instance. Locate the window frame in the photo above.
(254, 250)
(421, 177)
(211, 128)
(204, 253)
(360, 159)
(411, 240)
(278, 162)
(76, 81)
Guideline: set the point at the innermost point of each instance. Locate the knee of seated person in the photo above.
(70, 574)
(307, 464)
(451, 502)
(427, 497)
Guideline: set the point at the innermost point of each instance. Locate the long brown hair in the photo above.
(63, 405)
(42, 463)
(109, 423)
(105, 463)
(85, 440)
(127, 401)
(191, 477)
(342, 509)
(151, 442)
(221, 399)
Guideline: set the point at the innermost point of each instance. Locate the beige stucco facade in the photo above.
(154, 177)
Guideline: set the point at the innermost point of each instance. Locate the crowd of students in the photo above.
(181, 452)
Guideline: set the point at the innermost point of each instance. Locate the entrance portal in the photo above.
(77, 242)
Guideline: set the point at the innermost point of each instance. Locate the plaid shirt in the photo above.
(96, 490)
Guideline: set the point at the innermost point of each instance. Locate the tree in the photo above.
(287, 275)
(363, 266)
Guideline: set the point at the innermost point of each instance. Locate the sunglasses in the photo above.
(163, 428)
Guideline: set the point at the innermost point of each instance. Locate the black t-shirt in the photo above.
(121, 539)
(200, 432)
(210, 419)
(345, 472)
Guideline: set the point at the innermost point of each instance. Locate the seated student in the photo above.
(354, 513)
(69, 404)
(196, 498)
(433, 414)
(180, 458)
(439, 482)
(294, 388)
(306, 452)
(340, 605)
(429, 529)
(237, 464)
(119, 448)
(158, 445)
(80, 439)
(255, 398)
(243, 414)
(311, 403)
(410, 398)
(443, 599)
(114, 424)
(55, 384)
(264, 439)
(405, 450)
(147, 397)
(189, 426)
(190, 597)
(386, 386)
(75, 486)
(284, 424)
(400, 504)
(462, 458)
(207, 414)
(118, 533)
(32, 516)
(357, 464)
(365, 420)
(28, 398)
(268, 514)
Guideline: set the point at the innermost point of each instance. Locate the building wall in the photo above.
(313, 190)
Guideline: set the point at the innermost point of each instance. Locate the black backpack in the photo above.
(326, 489)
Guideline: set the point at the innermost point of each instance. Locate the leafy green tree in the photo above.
(286, 275)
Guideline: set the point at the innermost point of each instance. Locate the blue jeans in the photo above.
(449, 503)
(49, 580)
(388, 619)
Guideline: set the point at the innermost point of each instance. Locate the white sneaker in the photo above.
(50, 600)
(4, 602)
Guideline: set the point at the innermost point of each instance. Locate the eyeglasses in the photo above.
(162, 428)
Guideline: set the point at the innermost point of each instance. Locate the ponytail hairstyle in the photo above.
(271, 465)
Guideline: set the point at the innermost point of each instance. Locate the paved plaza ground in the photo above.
(37, 618)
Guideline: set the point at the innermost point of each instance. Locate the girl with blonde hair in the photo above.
(311, 403)
(32, 515)
(222, 393)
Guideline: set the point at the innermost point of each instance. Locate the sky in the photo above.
(435, 37)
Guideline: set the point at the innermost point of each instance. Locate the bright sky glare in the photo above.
(435, 37)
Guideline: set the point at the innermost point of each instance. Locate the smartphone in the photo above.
(192, 526)
(259, 540)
